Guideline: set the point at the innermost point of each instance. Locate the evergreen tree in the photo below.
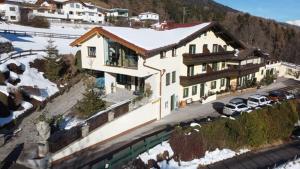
(53, 63)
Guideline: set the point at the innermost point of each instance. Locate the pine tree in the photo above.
(54, 63)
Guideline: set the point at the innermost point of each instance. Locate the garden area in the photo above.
(196, 145)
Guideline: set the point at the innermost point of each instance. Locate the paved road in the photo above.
(262, 159)
(193, 111)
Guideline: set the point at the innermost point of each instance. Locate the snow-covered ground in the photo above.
(38, 43)
(290, 165)
(15, 114)
(209, 158)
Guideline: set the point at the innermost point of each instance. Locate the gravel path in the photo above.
(60, 105)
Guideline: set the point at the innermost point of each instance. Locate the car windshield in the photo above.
(242, 106)
(253, 100)
(230, 106)
(262, 100)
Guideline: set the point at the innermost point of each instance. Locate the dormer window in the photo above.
(173, 52)
(163, 54)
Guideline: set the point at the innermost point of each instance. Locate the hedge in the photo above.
(252, 130)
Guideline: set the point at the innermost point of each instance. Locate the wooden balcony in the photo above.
(200, 58)
(234, 71)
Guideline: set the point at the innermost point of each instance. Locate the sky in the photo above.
(280, 10)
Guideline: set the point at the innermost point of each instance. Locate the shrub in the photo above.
(37, 21)
(91, 103)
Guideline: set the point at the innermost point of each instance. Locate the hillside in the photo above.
(282, 41)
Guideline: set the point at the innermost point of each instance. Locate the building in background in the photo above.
(10, 11)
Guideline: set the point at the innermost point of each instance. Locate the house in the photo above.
(180, 65)
(117, 13)
(10, 11)
(69, 10)
(148, 16)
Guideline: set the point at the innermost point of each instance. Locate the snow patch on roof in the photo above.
(150, 39)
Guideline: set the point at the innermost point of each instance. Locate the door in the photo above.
(172, 102)
(202, 89)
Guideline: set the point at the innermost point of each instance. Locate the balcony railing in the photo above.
(199, 58)
(233, 71)
(127, 62)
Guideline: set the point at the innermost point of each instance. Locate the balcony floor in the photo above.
(119, 95)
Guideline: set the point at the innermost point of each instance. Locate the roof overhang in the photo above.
(214, 26)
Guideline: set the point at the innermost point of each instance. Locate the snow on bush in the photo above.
(290, 165)
(15, 114)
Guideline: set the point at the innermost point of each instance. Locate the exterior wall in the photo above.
(10, 15)
(126, 122)
(149, 16)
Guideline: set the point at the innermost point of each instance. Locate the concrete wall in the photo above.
(135, 118)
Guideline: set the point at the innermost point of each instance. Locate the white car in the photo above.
(230, 108)
(255, 101)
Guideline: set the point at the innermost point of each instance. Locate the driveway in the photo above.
(193, 111)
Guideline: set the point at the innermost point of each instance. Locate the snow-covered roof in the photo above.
(151, 39)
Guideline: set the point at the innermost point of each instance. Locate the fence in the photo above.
(41, 34)
(23, 53)
(63, 138)
(130, 152)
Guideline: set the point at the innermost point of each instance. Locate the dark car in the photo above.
(296, 133)
(276, 96)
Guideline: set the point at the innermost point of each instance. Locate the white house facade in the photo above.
(148, 16)
(180, 65)
(69, 10)
(117, 13)
(10, 10)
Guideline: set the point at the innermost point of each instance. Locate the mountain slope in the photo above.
(281, 40)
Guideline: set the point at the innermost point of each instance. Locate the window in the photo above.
(192, 49)
(225, 47)
(204, 67)
(194, 90)
(77, 6)
(262, 72)
(185, 92)
(205, 49)
(190, 70)
(215, 48)
(215, 66)
(242, 106)
(173, 52)
(12, 8)
(13, 18)
(205, 34)
(222, 82)
(91, 14)
(167, 79)
(213, 85)
(223, 65)
(71, 12)
(166, 104)
(71, 5)
(173, 77)
(162, 54)
(92, 51)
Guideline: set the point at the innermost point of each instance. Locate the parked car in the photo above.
(231, 109)
(279, 95)
(296, 133)
(255, 101)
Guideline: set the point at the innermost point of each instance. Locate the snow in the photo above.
(15, 114)
(30, 77)
(195, 124)
(150, 39)
(290, 165)
(296, 22)
(38, 43)
(209, 157)
(3, 40)
(70, 122)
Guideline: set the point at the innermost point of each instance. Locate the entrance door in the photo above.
(202, 89)
(172, 102)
